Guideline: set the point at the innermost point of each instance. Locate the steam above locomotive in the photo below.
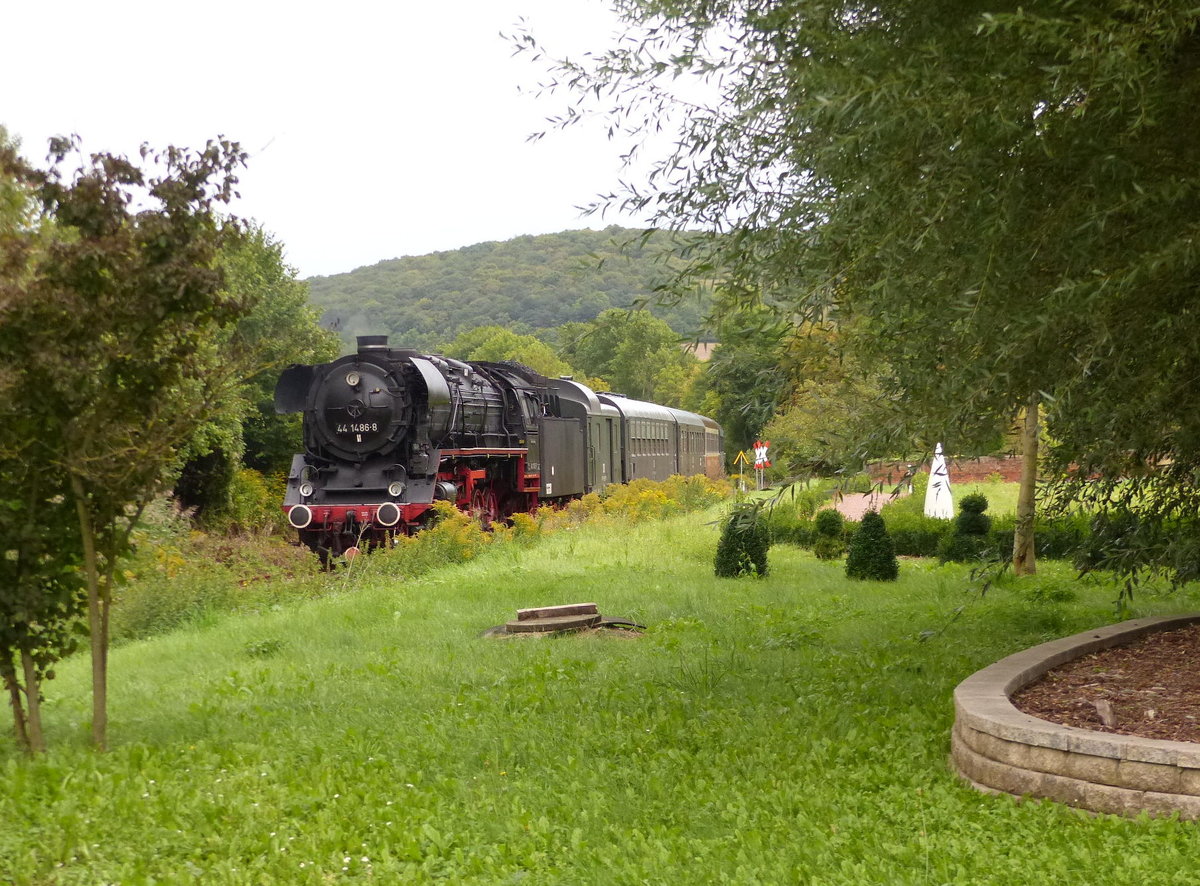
(388, 431)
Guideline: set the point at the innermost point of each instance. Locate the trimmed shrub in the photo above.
(745, 539)
(829, 525)
(970, 519)
(871, 555)
(829, 522)
(969, 540)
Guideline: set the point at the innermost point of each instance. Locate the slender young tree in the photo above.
(41, 599)
(114, 299)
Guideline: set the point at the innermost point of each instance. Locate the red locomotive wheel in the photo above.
(491, 507)
(485, 507)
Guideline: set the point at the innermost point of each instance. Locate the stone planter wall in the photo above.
(998, 748)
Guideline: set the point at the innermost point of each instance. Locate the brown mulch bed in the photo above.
(1151, 686)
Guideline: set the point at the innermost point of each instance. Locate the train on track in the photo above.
(389, 431)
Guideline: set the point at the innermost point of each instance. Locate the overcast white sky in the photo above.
(375, 129)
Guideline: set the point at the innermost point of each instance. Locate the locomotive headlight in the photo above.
(388, 514)
(306, 489)
(352, 379)
(396, 489)
(300, 516)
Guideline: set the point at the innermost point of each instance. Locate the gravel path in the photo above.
(854, 504)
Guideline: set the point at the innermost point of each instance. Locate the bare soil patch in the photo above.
(1150, 688)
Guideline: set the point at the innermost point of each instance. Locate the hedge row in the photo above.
(915, 535)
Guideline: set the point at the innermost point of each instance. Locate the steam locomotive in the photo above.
(389, 431)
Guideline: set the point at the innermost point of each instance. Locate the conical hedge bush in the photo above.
(871, 554)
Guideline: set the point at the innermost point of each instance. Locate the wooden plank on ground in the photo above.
(555, 611)
(553, 623)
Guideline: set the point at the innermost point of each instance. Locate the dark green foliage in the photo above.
(915, 535)
(280, 329)
(745, 539)
(971, 520)
(525, 284)
(745, 381)
(975, 503)
(956, 547)
(1058, 538)
(871, 555)
(829, 522)
(203, 484)
(788, 527)
(969, 538)
(829, 525)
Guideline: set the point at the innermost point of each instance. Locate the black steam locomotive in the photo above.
(389, 431)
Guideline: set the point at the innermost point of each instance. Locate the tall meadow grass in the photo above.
(788, 729)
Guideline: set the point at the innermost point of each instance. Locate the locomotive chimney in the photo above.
(372, 343)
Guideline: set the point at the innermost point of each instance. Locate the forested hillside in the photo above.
(527, 284)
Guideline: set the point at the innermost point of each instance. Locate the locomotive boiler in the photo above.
(388, 431)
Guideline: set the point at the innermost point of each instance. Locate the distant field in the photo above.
(787, 730)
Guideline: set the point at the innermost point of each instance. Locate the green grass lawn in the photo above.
(787, 730)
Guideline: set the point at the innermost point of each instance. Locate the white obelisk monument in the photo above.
(938, 501)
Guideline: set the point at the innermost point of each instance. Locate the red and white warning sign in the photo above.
(760, 454)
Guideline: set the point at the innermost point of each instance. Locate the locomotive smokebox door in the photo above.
(291, 391)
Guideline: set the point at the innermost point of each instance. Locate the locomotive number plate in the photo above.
(367, 427)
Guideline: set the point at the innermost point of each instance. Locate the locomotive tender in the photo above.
(388, 431)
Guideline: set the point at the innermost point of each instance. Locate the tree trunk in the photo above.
(1024, 559)
(18, 709)
(97, 618)
(33, 703)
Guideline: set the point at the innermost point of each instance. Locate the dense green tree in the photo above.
(633, 351)
(113, 301)
(279, 329)
(497, 344)
(749, 374)
(1002, 197)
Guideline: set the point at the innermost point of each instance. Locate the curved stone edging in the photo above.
(998, 748)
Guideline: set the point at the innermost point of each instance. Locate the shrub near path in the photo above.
(789, 729)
